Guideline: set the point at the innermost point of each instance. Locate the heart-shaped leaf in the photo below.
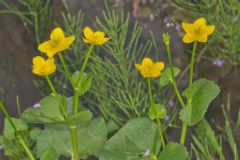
(173, 151)
(48, 112)
(203, 92)
(91, 138)
(132, 141)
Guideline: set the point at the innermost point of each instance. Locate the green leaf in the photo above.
(173, 151)
(91, 138)
(203, 92)
(34, 133)
(49, 154)
(47, 113)
(9, 132)
(132, 141)
(166, 76)
(84, 83)
(80, 118)
(161, 112)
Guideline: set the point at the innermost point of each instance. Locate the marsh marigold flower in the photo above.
(198, 31)
(57, 43)
(95, 38)
(150, 69)
(43, 67)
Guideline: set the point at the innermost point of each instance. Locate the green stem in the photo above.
(75, 102)
(74, 142)
(173, 80)
(67, 72)
(155, 112)
(18, 134)
(191, 72)
(183, 134)
(56, 95)
(189, 99)
(23, 143)
(85, 62)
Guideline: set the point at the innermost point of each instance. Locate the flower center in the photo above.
(198, 31)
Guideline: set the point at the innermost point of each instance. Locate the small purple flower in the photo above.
(218, 62)
(177, 27)
(171, 104)
(1, 147)
(37, 105)
(147, 153)
(167, 118)
(165, 20)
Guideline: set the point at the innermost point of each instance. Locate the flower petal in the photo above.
(202, 38)
(45, 46)
(147, 62)
(155, 73)
(65, 43)
(159, 66)
(187, 27)
(188, 38)
(57, 34)
(200, 23)
(209, 29)
(138, 66)
(38, 60)
(88, 33)
(99, 34)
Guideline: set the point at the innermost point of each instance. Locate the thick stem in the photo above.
(189, 99)
(74, 142)
(75, 102)
(183, 134)
(64, 113)
(155, 112)
(18, 134)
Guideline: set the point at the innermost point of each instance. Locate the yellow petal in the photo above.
(86, 40)
(202, 38)
(38, 60)
(209, 29)
(102, 41)
(147, 62)
(65, 43)
(187, 27)
(88, 33)
(138, 66)
(45, 46)
(57, 34)
(189, 38)
(99, 34)
(200, 23)
(159, 66)
(155, 74)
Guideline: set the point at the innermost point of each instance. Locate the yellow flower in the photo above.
(95, 38)
(198, 31)
(43, 67)
(150, 69)
(58, 42)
